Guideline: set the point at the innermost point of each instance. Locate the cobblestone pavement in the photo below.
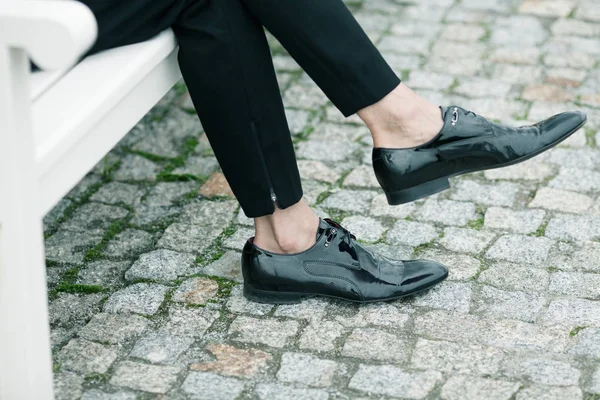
(144, 294)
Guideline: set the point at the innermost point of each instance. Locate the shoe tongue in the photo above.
(444, 112)
(321, 229)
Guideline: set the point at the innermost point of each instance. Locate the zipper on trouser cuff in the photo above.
(264, 164)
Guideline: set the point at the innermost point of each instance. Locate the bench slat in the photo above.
(86, 107)
(42, 81)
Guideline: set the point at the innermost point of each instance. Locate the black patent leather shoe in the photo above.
(336, 266)
(466, 143)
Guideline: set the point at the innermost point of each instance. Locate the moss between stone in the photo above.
(303, 135)
(590, 137)
(476, 223)
(337, 215)
(422, 248)
(322, 196)
(56, 367)
(482, 268)
(68, 285)
(78, 288)
(97, 379)
(541, 231)
(97, 252)
(215, 250)
(576, 330)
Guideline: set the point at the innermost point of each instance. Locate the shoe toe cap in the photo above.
(563, 123)
(420, 274)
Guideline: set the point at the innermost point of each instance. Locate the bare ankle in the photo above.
(289, 231)
(402, 119)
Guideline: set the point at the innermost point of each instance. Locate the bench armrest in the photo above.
(55, 33)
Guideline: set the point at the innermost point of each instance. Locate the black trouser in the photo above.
(226, 63)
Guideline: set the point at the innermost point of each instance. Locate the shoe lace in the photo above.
(347, 236)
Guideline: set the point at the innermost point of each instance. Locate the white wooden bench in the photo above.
(55, 126)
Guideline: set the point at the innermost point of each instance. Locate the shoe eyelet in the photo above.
(454, 116)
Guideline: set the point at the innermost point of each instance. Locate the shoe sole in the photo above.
(274, 297)
(440, 184)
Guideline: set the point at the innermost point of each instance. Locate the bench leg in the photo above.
(25, 354)
(25, 364)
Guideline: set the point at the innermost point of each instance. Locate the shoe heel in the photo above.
(271, 297)
(417, 192)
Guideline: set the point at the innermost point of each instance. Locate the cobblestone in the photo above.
(573, 312)
(515, 277)
(374, 344)
(538, 392)
(378, 314)
(367, 229)
(515, 221)
(521, 249)
(446, 212)
(191, 322)
(502, 304)
(380, 207)
(466, 387)
(232, 361)
(283, 392)
(508, 334)
(270, 332)
(466, 240)
(392, 381)
(453, 296)
(114, 328)
(576, 228)
(349, 200)
(561, 200)
(587, 343)
(94, 218)
(545, 371)
(593, 384)
(306, 369)
(103, 273)
(87, 357)
(310, 309)
(141, 298)
(74, 309)
(450, 357)
(575, 284)
(160, 348)
(501, 194)
(227, 266)
(118, 193)
(577, 180)
(412, 233)
(462, 267)
(162, 266)
(209, 386)
(196, 291)
(95, 394)
(129, 243)
(145, 377)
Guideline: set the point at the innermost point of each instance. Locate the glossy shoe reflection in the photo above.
(336, 266)
(466, 143)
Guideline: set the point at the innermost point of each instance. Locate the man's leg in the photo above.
(332, 48)
(418, 145)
